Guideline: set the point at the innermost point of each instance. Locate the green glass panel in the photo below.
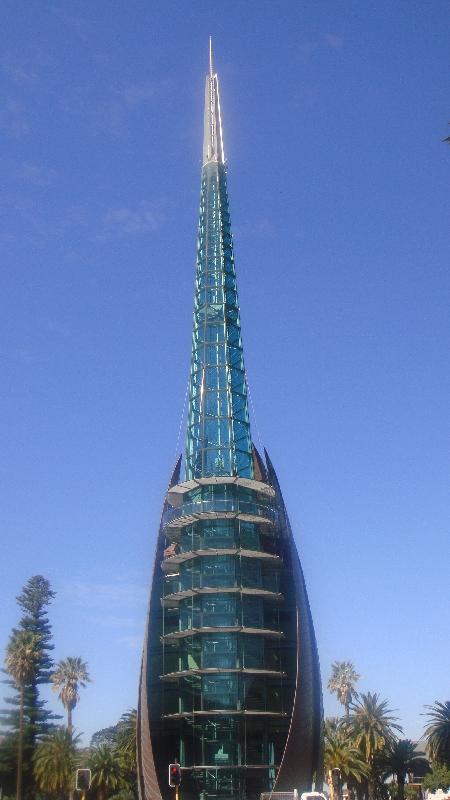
(218, 432)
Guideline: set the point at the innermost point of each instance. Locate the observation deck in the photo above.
(171, 599)
(173, 494)
(228, 712)
(232, 508)
(187, 673)
(174, 561)
(174, 635)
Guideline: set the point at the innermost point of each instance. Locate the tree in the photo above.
(70, 674)
(21, 663)
(341, 752)
(126, 740)
(413, 792)
(106, 771)
(33, 600)
(437, 732)
(342, 683)
(399, 759)
(438, 778)
(105, 736)
(55, 762)
(37, 720)
(372, 727)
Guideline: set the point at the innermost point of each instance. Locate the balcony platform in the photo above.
(225, 712)
(171, 599)
(232, 508)
(186, 673)
(168, 564)
(173, 495)
(172, 637)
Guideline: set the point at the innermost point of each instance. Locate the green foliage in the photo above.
(117, 743)
(55, 762)
(392, 790)
(37, 719)
(340, 751)
(69, 675)
(400, 758)
(342, 682)
(22, 655)
(437, 732)
(372, 725)
(8, 763)
(412, 792)
(438, 778)
(33, 601)
(126, 740)
(104, 736)
(107, 771)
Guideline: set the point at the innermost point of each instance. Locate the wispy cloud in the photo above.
(35, 174)
(13, 119)
(109, 596)
(262, 228)
(132, 221)
(115, 621)
(132, 642)
(336, 42)
(110, 113)
(135, 94)
(119, 605)
(80, 26)
(19, 73)
(305, 49)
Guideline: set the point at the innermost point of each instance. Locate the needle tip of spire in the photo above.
(210, 56)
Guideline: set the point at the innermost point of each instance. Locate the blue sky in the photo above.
(334, 115)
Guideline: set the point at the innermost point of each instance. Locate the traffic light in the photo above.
(83, 780)
(174, 774)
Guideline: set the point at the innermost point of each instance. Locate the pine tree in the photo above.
(21, 660)
(33, 602)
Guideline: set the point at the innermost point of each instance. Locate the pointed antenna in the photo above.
(210, 57)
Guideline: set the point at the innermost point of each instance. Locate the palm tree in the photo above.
(342, 683)
(106, 770)
(21, 662)
(70, 674)
(340, 751)
(437, 732)
(126, 740)
(371, 726)
(55, 762)
(399, 758)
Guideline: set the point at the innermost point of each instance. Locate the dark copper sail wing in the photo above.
(150, 766)
(302, 758)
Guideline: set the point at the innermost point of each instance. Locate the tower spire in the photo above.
(212, 135)
(218, 434)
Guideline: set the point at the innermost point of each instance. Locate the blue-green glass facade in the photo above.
(228, 671)
(230, 680)
(218, 431)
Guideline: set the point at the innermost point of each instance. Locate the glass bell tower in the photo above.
(230, 679)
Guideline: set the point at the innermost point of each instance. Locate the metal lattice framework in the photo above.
(218, 432)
